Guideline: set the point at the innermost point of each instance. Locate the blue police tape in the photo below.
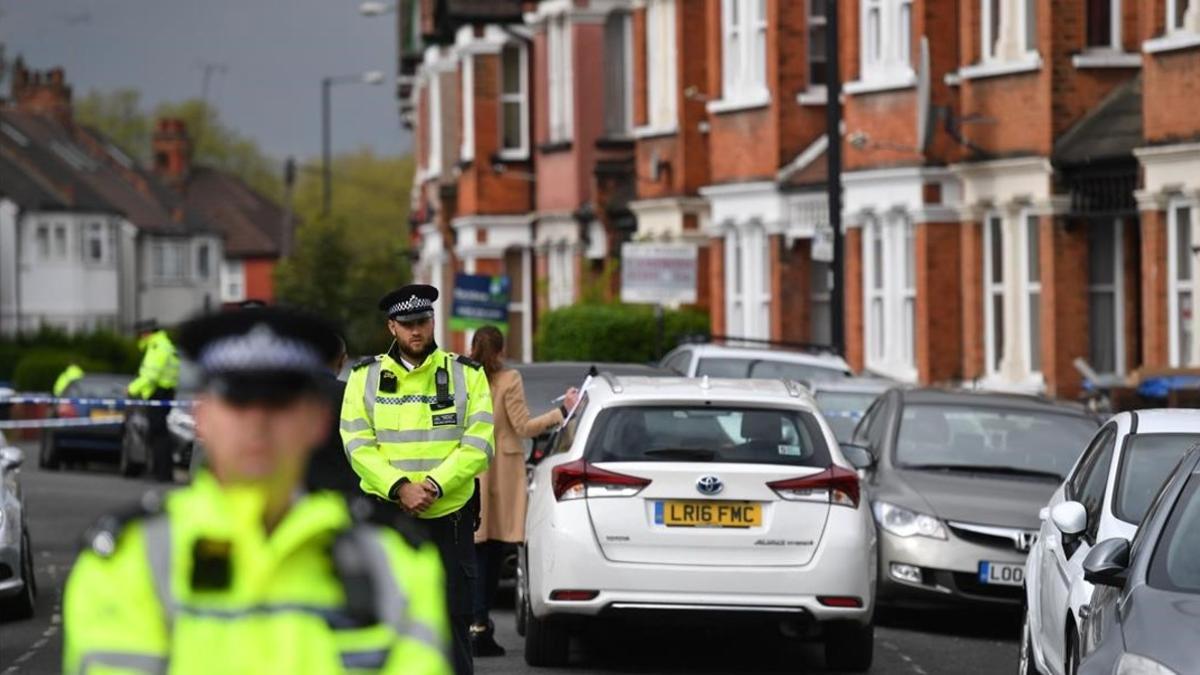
(99, 402)
(59, 423)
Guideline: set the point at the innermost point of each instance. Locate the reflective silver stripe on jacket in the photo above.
(482, 416)
(419, 435)
(157, 532)
(367, 660)
(479, 444)
(371, 386)
(142, 663)
(356, 443)
(355, 425)
(460, 391)
(391, 605)
(416, 464)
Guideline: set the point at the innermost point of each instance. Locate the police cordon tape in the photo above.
(59, 423)
(67, 422)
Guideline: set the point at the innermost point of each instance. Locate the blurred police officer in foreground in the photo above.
(242, 572)
(156, 380)
(417, 425)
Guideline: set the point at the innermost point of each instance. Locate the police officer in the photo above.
(156, 380)
(242, 572)
(417, 427)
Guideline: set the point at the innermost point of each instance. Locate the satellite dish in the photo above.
(924, 116)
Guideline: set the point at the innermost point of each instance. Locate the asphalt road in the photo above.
(62, 504)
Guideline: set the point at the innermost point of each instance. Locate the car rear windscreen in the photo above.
(705, 433)
(994, 438)
(1145, 465)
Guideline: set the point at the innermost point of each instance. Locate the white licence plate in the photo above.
(1001, 574)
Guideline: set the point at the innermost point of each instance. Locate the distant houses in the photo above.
(91, 239)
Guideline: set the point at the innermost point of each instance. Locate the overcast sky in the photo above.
(274, 53)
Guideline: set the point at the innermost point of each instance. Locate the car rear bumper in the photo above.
(949, 572)
(567, 557)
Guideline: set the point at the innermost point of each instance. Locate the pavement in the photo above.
(62, 504)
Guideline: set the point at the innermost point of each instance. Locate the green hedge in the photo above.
(38, 369)
(612, 332)
(106, 351)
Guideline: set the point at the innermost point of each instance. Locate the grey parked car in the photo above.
(1145, 611)
(958, 480)
(18, 589)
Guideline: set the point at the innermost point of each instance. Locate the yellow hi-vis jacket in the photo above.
(160, 366)
(394, 426)
(65, 378)
(199, 587)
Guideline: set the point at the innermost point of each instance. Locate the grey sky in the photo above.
(275, 52)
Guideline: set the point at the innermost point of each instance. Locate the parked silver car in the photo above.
(18, 589)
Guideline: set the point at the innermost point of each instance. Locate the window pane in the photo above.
(1030, 25)
(1183, 242)
(1102, 255)
(996, 250)
(1184, 321)
(1099, 23)
(43, 242)
(816, 56)
(1035, 332)
(60, 241)
(1181, 7)
(615, 67)
(993, 25)
(910, 256)
(512, 125)
(1102, 331)
(820, 275)
(511, 57)
(1034, 245)
(910, 330)
(877, 257)
(874, 34)
(816, 8)
(997, 329)
(905, 33)
(877, 327)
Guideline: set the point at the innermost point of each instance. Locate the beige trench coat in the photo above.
(503, 488)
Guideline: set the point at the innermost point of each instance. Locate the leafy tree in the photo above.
(119, 115)
(343, 263)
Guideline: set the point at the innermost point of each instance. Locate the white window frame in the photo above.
(744, 54)
(661, 69)
(993, 353)
(626, 78)
(820, 324)
(885, 51)
(1189, 21)
(814, 23)
(433, 163)
(1029, 289)
(735, 300)
(561, 86)
(748, 270)
(466, 151)
(890, 294)
(1114, 37)
(521, 98)
(1179, 287)
(1018, 34)
(169, 261)
(204, 253)
(562, 274)
(1116, 289)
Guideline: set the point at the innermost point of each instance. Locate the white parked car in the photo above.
(1105, 496)
(669, 499)
(731, 360)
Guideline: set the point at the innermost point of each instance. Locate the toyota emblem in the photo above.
(709, 485)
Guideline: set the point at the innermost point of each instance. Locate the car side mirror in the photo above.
(1070, 518)
(11, 458)
(541, 448)
(1107, 564)
(858, 456)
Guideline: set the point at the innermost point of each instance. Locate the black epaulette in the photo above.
(370, 511)
(364, 361)
(103, 535)
(469, 362)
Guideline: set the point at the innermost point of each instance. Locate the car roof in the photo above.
(699, 389)
(853, 385)
(553, 367)
(1166, 420)
(827, 359)
(945, 396)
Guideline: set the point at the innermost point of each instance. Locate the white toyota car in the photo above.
(672, 499)
(1106, 495)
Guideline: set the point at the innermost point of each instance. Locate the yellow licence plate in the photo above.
(104, 415)
(678, 513)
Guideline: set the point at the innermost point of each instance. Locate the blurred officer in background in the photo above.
(71, 374)
(242, 572)
(156, 380)
(417, 424)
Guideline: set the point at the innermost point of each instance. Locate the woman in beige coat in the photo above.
(503, 486)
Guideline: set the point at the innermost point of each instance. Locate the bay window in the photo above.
(661, 57)
(744, 51)
(889, 266)
(558, 40)
(514, 102)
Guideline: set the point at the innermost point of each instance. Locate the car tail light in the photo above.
(66, 410)
(573, 595)
(575, 480)
(834, 485)
(848, 601)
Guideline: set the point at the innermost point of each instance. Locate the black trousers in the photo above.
(160, 440)
(454, 536)
(489, 557)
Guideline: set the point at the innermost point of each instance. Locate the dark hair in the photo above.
(486, 348)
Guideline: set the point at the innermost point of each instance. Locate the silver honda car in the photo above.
(957, 483)
(17, 586)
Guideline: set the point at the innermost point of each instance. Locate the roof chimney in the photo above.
(42, 93)
(172, 151)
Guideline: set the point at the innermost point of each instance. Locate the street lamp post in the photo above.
(833, 125)
(373, 77)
